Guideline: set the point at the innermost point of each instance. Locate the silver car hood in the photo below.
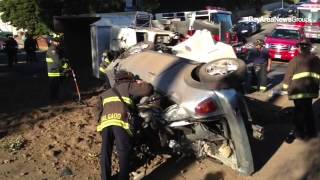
(167, 74)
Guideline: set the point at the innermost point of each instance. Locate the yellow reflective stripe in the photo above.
(263, 88)
(306, 74)
(65, 66)
(107, 61)
(102, 70)
(285, 86)
(114, 122)
(117, 99)
(54, 74)
(49, 60)
(303, 95)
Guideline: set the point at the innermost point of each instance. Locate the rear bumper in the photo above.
(283, 55)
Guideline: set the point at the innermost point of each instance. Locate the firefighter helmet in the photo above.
(259, 42)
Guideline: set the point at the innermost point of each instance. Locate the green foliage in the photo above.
(149, 5)
(36, 16)
(23, 14)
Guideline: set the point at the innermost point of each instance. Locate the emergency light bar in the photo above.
(309, 6)
(288, 26)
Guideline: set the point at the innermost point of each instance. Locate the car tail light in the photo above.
(205, 107)
(190, 32)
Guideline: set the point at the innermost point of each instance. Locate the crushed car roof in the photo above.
(166, 73)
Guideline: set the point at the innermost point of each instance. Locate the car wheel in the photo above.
(224, 73)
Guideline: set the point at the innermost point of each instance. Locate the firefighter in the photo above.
(261, 65)
(11, 48)
(103, 70)
(301, 82)
(30, 46)
(117, 120)
(56, 64)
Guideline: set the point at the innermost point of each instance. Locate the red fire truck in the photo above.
(309, 18)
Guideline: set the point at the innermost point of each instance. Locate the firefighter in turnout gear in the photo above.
(56, 64)
(117, 121)
(103, 70)
(261, 65)
(301, 82)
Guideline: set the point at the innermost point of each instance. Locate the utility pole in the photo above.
(282, 3)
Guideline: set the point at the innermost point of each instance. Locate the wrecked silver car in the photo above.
(203, 112)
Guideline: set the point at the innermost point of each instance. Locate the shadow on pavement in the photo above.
(275, 80)
(276, 123)
(214, 176)
(170, 169)
(24, 93)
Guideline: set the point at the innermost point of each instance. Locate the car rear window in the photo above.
(286, 34)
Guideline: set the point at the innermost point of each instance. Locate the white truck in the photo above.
(118, 31)
(213, 15)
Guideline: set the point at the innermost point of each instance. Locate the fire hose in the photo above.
(76, 84)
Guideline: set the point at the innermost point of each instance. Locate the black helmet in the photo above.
(123, 75)
(259, 42)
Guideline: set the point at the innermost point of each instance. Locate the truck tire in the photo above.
(224, 73)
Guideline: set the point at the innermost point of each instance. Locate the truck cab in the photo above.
(283, 40)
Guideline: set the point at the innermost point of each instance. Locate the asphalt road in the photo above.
(278, 68)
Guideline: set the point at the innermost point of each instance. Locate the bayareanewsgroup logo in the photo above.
(277, 19)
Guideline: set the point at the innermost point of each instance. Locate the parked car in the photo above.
(247, 28)
(5, 34)
(282, 43)
(302, 2)
(2, 43)
(292, 10)
(280, 13)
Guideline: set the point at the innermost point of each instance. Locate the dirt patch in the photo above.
(39, 140)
